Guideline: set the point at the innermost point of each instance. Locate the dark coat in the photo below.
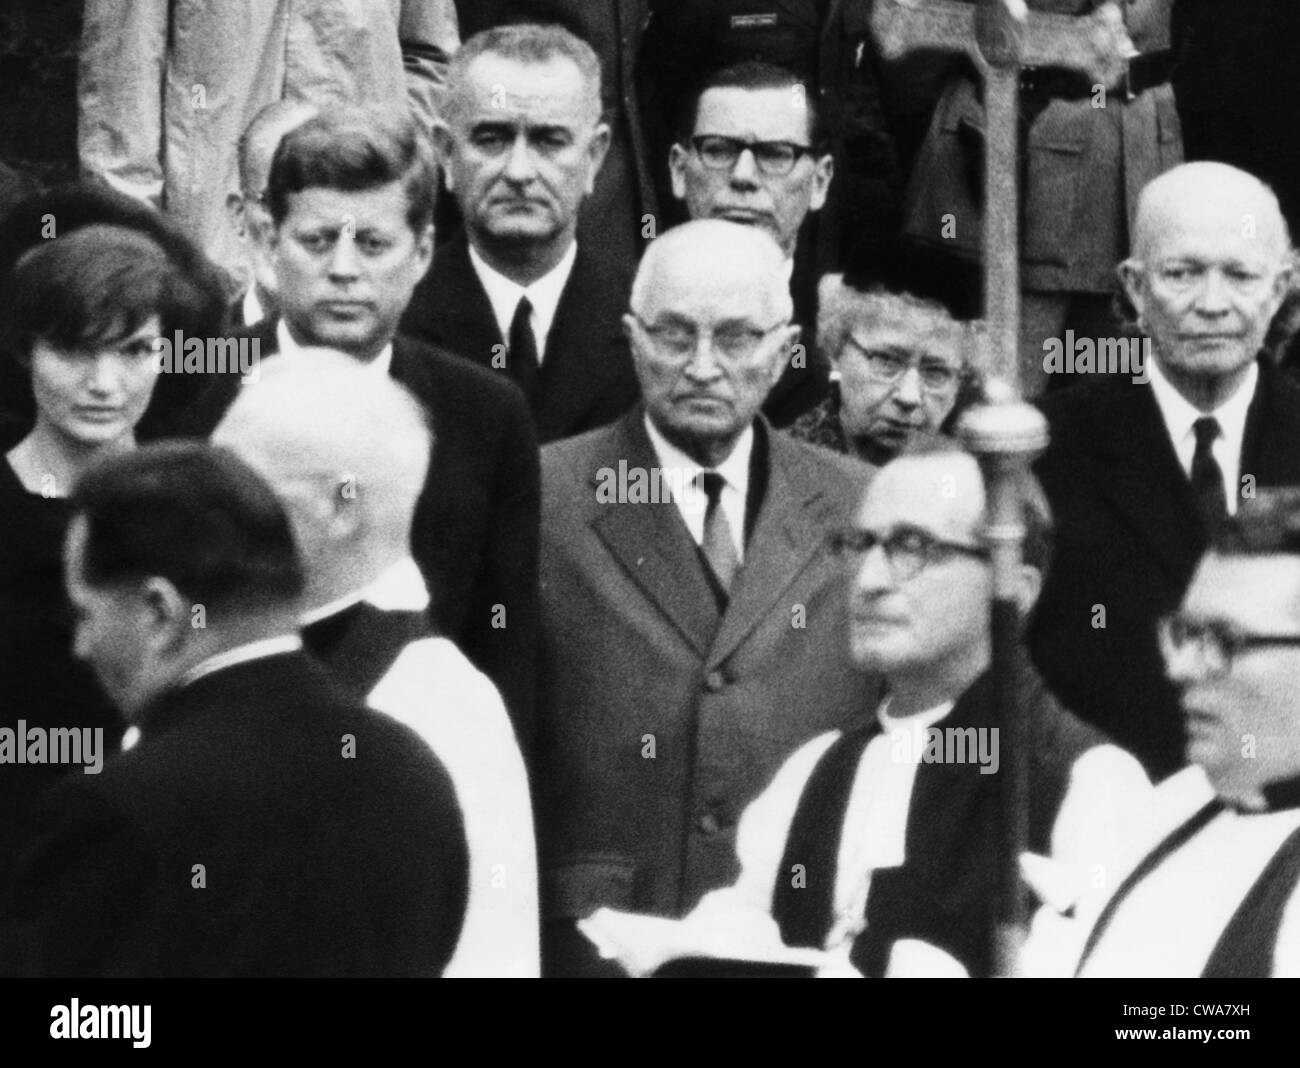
(475, 531)
(634, 650)
(586, 380)
(1128, 538)
(313, 863)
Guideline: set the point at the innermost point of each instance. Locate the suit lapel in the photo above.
(1270, 449)
(787, 535)
(468, 326)
(652, 543)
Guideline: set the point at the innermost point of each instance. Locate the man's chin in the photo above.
(355, 337)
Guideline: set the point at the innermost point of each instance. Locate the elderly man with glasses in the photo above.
(1216, 891)
(693, 620)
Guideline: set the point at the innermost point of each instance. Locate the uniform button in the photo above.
(715, 681)
(709, 824)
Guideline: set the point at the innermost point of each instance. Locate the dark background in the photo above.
(38, 86)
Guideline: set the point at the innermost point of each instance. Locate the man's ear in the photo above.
(236, 214)
(597, 149)
(1029, 584)
(1131, 273)
(677, 170)
(823, 172)
(424, 247)
(166, 614)
(445, 145)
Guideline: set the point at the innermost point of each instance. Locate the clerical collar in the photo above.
(915, 721)
(398, 588)
(286, 346)
(544, 294)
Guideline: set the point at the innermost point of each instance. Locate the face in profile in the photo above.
(901, 624)
(95, 395)
(1239, 678)
(701, 390)
(347, 262)
(753, 191)
(112, 630)
(523, 146)
(900, 372)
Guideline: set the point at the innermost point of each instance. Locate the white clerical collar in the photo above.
(284, 643)
(288, 347)
(1180, 414)
(544, 294)
(251, 308)
(398, 588)
(734, 469)
(919, 720)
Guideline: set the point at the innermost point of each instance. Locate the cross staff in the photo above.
(1001, 37)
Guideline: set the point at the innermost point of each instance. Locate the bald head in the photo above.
(1211, 263)
(346, 448)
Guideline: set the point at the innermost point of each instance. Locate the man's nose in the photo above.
(1214, 296)
(908, 391)
(874, 573)
(745, 171)
(703, 365)
(519, 161)
(345, 263)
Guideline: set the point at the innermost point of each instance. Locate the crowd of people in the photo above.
(478, 502)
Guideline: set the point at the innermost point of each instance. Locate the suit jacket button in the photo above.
(715, 681)
(709, 824)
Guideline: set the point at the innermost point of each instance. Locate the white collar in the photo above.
(251, 308)
(544, 294)
(288, 347)
(917, 721)
(1180, 414)
(284, 643)
(398, 588)
(734, 469)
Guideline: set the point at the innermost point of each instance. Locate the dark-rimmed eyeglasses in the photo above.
(908, 550)
(734, 341)
(1214, 643)
(775, 159)
(888, 366)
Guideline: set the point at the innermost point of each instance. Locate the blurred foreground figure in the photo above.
(266, 823)
(1217, 893)
(347, 452)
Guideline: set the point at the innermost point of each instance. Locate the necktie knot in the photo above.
(1207, 431)
(712, 483)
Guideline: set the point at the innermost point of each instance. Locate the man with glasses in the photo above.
(1217, 893)
(752, 150)
(1140, 473)
(878, 843)
(693, 622)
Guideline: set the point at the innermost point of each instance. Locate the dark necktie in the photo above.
(522, 355)
(718, 547)
(1207, 476)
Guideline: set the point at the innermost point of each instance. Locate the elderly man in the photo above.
(516, 292)
(263, 823)
(899, 340)
(1140, 473)
(1217, 893)
(693, 626)
(351, 200)
(870, 841)
(246, 208)
(347, 452)
(752, 150)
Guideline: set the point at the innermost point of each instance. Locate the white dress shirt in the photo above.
(544, 295)
(455, 708)
(681, 470)
(1180, 416)
(1105, 783)
(240, 654)
(290, 349)
(251, 308)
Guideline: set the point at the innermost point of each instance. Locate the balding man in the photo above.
(1140, 473)
(247, 210)
(694, 622)
(347, 451)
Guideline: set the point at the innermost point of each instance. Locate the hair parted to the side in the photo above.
(351, 149)
(755, 75)
(195, 515)
(527, 42)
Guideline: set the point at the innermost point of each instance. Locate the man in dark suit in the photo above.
(1140, 473)
(514, 291)
(265, 823)
(753, 149)
(351, 197)
(693, 621)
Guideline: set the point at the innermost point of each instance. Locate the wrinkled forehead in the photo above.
(550, 92)
(1258, 594)
(942, 493)
(889, 320)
